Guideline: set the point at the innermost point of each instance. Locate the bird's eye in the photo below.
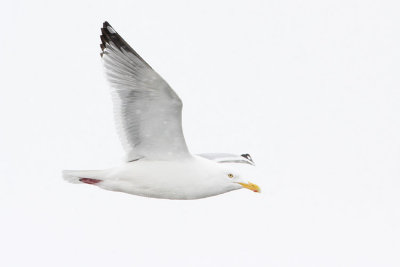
(230, 175)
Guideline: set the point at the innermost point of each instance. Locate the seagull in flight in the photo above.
(148, 116)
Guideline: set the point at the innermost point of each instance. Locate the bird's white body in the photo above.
(189, 178)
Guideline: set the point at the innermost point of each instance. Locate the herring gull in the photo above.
(148, 116)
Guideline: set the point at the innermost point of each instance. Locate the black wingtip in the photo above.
(247, 156)
(109, 35)
(105, 36)
(108, 30)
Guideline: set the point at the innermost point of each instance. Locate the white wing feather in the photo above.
(228, 158)
(148, 112)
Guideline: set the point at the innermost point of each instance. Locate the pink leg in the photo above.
(89, 180)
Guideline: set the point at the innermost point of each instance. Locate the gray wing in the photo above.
(148, 112)
(228, 158)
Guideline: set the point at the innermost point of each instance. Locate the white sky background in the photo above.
(309, 88)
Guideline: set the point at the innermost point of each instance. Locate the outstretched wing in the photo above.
(228, 158)
(148, 112)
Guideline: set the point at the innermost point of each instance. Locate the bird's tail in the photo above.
(87, 177)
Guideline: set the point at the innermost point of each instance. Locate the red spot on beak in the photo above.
(89, 180)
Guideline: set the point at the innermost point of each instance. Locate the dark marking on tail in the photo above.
(89, 180)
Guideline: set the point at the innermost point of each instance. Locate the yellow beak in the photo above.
(252, 187)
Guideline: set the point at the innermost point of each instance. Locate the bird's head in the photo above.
(234, 179)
